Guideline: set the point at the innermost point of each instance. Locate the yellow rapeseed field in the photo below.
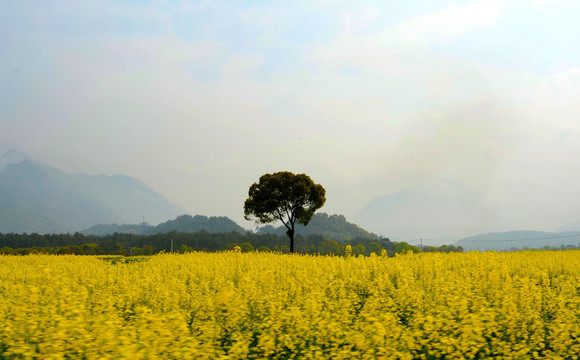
(261, 305)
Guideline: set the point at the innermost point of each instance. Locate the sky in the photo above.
(198, 99)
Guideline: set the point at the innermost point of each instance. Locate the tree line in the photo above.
(132, 244)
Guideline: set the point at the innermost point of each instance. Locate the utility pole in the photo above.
(172, 245)
(421, 244)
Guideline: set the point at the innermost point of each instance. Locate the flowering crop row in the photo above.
(262, 305)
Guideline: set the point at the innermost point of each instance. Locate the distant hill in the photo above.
(443, 210)
(109, 229)
(573, 226)
(35, 197)
(11, 157)
(187, 223)
(334, 227)
(183, 223)
(519, 240)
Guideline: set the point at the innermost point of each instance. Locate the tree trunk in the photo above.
(290, 234)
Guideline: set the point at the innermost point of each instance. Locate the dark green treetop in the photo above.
(290, 198)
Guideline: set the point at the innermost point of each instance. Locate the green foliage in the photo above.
(264, 249)
(187, 223)
(184, 249)
(286, 197)
(331, 226)
(183, 223)
(442, 248)
(328, 246)
(360, 249)
(132, 245)
(246, 247)
(374, 247)
(403, 247)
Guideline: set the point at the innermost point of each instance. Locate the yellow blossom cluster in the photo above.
(234, 305)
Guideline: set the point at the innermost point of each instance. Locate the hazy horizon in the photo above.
(197, 100)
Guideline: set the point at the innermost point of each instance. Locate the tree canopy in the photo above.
(284, 196)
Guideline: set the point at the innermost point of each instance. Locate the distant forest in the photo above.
(334, 227)
(127, 244)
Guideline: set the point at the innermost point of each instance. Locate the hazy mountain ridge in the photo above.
(11, 157)
(36, 197)
(334, 227)
(183, 223)
(188, 223)
(519, 240)
(445, 210)
(573, 226)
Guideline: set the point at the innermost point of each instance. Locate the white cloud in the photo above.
(448, 24)
(401, 51)
(354, 21)
(546, 2)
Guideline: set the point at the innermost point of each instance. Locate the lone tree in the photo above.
(286, 197)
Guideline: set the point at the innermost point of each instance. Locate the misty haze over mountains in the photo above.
(35, 197)
(442, 210)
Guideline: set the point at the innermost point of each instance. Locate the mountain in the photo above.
(334, 227)
(573, 226)
(109, 229)
(443, 210)
(187, 223)
(35, 197)
(11, 157)
(519, 240)
(183, 223)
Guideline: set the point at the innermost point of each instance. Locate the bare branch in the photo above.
(289, 214)
(281, 218)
